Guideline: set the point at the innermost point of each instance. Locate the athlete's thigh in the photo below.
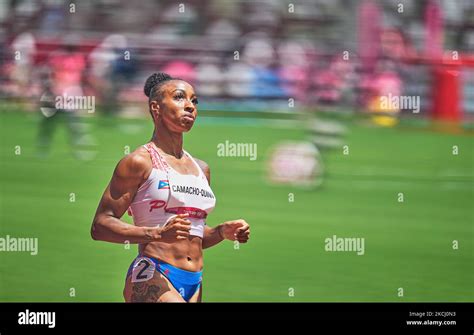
(197, 297)
(149, 286)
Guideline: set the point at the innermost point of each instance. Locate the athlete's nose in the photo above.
(189, 107)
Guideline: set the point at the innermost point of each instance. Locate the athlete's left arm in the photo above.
(235, 230)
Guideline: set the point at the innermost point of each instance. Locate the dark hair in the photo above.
(154, 82)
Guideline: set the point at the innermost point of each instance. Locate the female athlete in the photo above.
(169, 196)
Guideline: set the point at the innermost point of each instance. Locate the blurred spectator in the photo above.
(209, 79)
(24, 49)
(181, 69)
(265, 81)
(294, 69)
(239, 77)
(66, 68)
(385, 84)
(334, 81)
(112, 69)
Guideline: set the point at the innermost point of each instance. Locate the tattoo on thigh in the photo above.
(143, 292)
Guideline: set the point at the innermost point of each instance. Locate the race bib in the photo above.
(143, 270)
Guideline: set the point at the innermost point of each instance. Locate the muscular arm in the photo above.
(212, 236)
(127, 177)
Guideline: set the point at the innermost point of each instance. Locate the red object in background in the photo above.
(446, 78)
(446, 94)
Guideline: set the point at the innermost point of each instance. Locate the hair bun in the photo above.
(153, 80)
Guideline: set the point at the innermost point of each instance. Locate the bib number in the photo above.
(143, 270)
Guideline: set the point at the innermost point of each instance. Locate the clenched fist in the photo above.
(177, 228)
(235, 230)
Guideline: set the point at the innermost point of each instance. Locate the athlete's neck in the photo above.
(169, 142)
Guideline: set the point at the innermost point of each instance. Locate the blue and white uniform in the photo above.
(162, 196)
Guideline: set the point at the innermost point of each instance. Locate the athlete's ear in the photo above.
(155, 109)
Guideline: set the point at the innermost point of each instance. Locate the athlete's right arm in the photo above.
(130, 172)
(107, 226)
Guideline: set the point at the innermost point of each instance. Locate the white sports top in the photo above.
(167, 193)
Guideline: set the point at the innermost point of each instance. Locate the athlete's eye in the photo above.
(195, 101)
(179, 96)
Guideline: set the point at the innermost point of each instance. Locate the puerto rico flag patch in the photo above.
(164, 185)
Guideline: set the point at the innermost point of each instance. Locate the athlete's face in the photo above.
(177, 108)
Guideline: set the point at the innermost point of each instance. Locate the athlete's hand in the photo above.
(176, 229)
(235, 230)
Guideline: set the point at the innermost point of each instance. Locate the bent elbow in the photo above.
(95, 231)
(93, 234)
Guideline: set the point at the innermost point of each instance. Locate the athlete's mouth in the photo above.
(189, 117)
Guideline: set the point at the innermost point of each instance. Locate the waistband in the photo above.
(184, 276)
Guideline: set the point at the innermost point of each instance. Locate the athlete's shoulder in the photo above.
(136, 163)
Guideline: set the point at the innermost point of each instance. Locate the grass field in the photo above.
(408, 245)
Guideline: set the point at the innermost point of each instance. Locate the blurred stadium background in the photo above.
(305, 81)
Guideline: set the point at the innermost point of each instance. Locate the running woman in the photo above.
(168, 194)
